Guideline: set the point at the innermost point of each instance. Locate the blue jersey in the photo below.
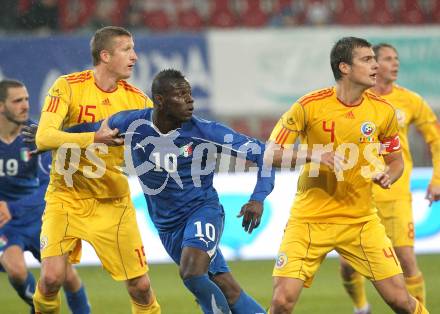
(23, 180)
(176, 170)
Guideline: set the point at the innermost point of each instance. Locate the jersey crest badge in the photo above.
(186, 150)
(368, 128)
(367, 131)
(281, 260)
(43, 242)
(25, 154)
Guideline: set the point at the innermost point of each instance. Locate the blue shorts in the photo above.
(27, 237)
(202, 230)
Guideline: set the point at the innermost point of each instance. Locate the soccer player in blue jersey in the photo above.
(23, 182)
(174, 153)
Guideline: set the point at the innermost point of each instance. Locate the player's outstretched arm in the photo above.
(239, 145)
(111, 130)
(288, 157)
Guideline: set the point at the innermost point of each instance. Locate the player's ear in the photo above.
(158, 100)
(344, 67)
(105, 55)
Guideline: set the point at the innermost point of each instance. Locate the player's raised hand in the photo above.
(108, 136)
(382, 179)
(251, 213)
(5, 215)
(28, 132)
(433, 194)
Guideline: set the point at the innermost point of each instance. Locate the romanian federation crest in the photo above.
(281, 260)
(368, 128)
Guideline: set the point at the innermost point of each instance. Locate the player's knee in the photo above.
(186, 272)
(139, 288)
(51, 282)
(281, 304)
(18, 273)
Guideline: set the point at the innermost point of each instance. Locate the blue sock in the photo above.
(245, 304)
(26, 289)
(209, 295)
(77, 301)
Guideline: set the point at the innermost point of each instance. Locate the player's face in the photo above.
(388, 61)
(16, 105)
(122, 57)
(178, 102)
(363, 69)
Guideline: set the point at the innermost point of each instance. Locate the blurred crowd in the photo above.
(196, 15)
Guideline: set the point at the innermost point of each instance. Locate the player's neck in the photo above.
(164, 124)
(9, 130)
(104, 80)
(349, 94)
(382, 88)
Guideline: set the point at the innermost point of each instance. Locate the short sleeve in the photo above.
(58, 98)
(290, 125)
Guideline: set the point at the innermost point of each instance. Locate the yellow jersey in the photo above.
(411, 109)
(95, 173)
(320, 118)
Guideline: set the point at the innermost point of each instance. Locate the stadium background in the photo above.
(247, 61)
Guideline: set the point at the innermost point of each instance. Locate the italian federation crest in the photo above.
(186, 150)
(25, 154)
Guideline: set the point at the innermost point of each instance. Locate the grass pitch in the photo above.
(325, 296)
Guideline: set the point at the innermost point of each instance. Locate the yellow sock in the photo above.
(416, 287)
(356, 290)
(152, 308)
(420, 308)
(46, 304)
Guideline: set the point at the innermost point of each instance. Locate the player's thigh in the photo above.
(392, 288)
(397, 217)
(12, 246)
(368, 250)
(172, 242)
(203, 229)
(302, 250)
(62, 229)
(114, 234)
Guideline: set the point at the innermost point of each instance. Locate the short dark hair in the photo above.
(376, 48)
(5, 85)
(342, 51)
(161, 81)
(102, 40)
